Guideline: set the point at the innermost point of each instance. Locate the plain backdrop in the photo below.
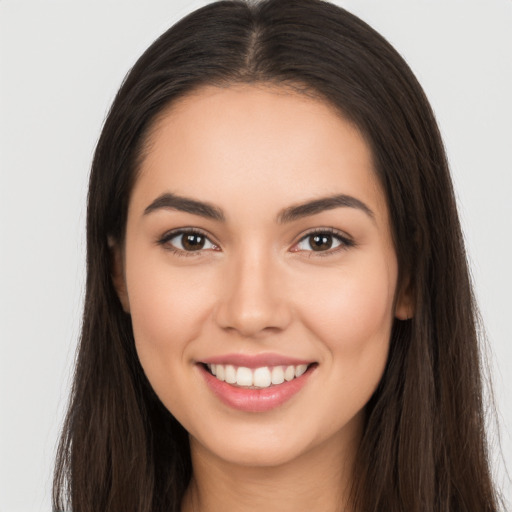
(61, 63)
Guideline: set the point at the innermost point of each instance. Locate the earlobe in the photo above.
(117, 273)
(404, 309)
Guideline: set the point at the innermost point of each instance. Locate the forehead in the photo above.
(244, 140)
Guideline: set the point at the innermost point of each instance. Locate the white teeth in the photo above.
(289, 373)
(230, 374)
(260, 378)
(220, 372)
(277, 375)
(244, 376)
(300, 369)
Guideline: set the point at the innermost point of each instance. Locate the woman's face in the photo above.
(258, 245)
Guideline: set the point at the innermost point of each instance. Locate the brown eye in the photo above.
(187, 241)
(321, 242)
(193, 241)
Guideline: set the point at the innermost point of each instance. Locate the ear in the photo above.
(404, 307)
(117, 273)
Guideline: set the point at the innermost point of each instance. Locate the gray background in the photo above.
(61, 63)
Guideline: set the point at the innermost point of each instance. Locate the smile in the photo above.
(256, 378)
(255, 383)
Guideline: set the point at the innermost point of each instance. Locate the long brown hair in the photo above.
(423, 447)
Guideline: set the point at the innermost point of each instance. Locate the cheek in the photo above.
(353, 298)
(167, 306)
(351, 311)
(351, 321)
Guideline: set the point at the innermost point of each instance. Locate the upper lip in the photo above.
(256, 360)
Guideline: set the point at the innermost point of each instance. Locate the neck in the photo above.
(319, 479)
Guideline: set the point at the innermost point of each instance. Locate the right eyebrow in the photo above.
(170, 201)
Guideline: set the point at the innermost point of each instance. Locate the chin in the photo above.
(258, 452)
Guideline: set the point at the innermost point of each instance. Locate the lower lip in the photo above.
(255, 400)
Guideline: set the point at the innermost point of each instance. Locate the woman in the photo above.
(278, 312)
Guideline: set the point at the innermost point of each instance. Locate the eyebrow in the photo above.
(170, 201)
(319, 205)
(184, 204)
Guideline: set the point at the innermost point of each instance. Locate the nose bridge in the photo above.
(253, 299)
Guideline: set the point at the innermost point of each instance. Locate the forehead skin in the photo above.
(180, 129)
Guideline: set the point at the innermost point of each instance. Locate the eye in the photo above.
(187, 241)
(323, 241)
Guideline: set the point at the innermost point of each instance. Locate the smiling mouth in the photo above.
(256, 378)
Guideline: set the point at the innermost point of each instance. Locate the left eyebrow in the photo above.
(319, 205)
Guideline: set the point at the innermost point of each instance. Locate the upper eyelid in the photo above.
(345, 240)
(330, 231)
(168, 235)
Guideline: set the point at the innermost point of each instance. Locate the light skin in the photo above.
(254, 284)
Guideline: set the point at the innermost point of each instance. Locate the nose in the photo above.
(253, 301)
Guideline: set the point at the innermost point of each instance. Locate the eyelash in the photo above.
(345, 242)
(164, 241)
